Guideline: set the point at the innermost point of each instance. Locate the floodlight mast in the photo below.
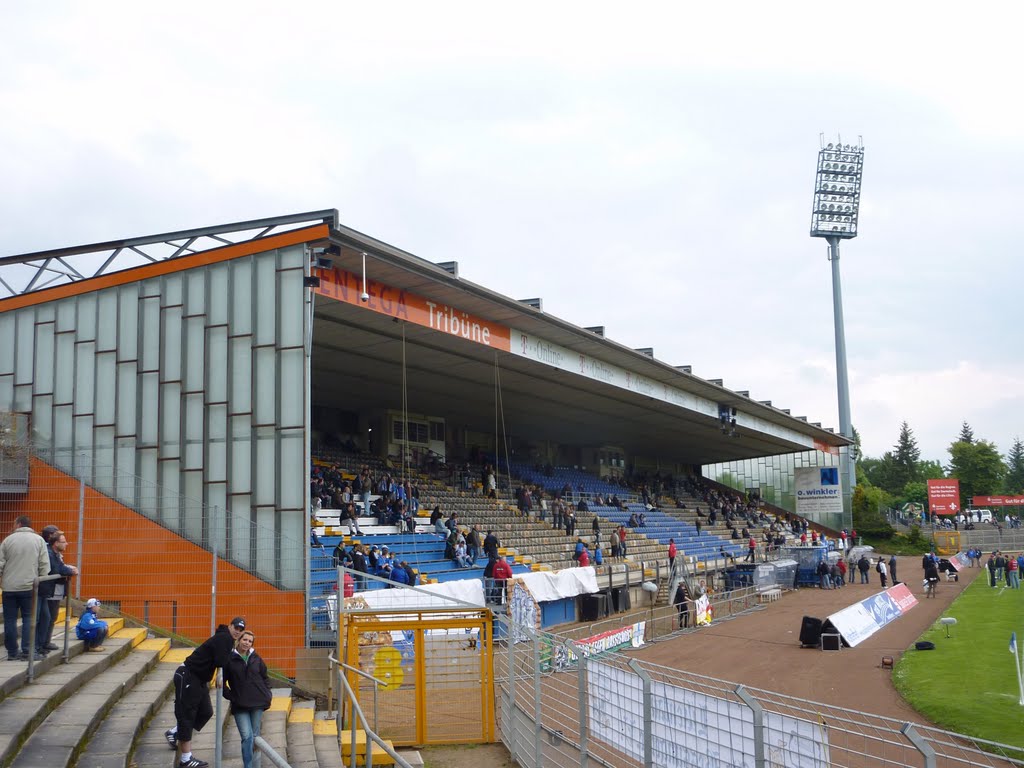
(834, 217)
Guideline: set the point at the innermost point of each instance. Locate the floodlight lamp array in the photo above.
(837, 191)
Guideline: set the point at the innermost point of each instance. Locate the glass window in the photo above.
(292, 296)
(292, 400)
(266, 298)
(126, 398)
(106, 327)
(43, 375)
(128, 322)
(241, 296)
(106, 383)
(170, 358)
(25, 348)
(85, 377)
(241, 374)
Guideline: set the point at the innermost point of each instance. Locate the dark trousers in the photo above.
(44, 622)
(192, 708)
(15, 604)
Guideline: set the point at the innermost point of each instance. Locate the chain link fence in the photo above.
(560, 702)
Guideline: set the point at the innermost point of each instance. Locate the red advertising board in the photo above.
(903, 597)
(997, 501)
(944, 496)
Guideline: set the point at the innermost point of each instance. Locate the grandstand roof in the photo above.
(624, 397)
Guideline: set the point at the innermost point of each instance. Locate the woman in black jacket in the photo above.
(247, 687)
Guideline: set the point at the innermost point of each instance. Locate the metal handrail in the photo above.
(270, 753)
(358, 711)
(380, 684)
(33, 612)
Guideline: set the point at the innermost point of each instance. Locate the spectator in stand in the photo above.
(352, 518)
(622, 541)
(598, 554)
(409, 573)
(398, 575)
(491, 546)
(500, 575)
(803, 539)
(578, 550)
(595, 526)
(461, 558)
(671, 552)
(697, 525)
(91, 630)
(570, 523)
(473, 544)
(751, 550)
(614, 543)
(584, 559)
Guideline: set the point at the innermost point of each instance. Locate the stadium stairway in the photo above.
(109, 709)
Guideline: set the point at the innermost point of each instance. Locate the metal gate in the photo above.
(429, 674)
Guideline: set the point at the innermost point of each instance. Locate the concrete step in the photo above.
(22, 710)
(116, 736)
(62, 734)
(301, 750)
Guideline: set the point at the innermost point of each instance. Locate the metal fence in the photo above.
(557, 705)
(183, 576)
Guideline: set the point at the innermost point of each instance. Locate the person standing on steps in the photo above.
(247, 687)
(23, 558)
(192, 708)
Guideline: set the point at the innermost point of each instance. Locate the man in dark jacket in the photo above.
(52, 592)
(192, 709)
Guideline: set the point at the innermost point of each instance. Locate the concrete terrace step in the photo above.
(59, 737)
(301, 750)
(117, 735)
(24, 709)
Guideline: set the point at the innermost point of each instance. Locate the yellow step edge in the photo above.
(380, 757)
(325, 727)
(161, 645)
(281, 704)
(301, 715)
(114, 625)
(134, 634)
(176, 655)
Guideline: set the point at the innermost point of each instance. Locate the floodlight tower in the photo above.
(834, 217)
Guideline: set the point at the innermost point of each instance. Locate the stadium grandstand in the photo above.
(219, 417)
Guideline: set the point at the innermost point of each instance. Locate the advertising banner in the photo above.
(692, 728)
(818, 492)
(858, 622)
(997, 501)
(944, 496)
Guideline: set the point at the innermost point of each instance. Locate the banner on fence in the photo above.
(692, 728)
(702, 610)
(861, 620)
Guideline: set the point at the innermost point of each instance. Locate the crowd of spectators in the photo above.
(396, 502)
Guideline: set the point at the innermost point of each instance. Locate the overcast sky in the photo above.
(645, 167)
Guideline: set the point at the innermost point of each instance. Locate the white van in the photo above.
(973, 514)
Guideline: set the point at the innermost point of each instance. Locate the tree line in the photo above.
(900, 475)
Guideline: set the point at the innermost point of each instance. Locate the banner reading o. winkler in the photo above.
(944, 496)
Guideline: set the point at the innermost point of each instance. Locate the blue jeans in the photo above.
(16, 603)
(248, 723)
(43, 619)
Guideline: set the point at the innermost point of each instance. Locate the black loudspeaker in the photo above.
(590, 607)
(924, 645)
(810, 631)
(831, 641)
